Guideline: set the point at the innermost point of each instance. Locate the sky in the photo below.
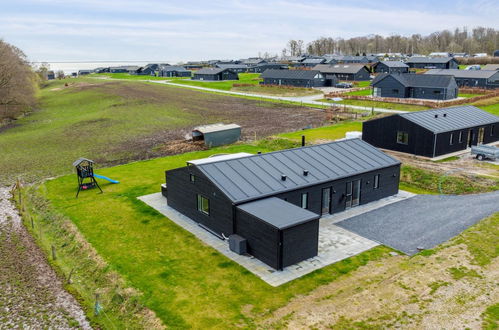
(174, 30)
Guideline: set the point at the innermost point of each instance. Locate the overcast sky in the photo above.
(174, 30)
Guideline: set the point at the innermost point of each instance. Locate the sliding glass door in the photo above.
(352, 194)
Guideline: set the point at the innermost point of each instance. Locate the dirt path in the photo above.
(31, 294)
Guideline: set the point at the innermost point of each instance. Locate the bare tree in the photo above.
(60, 74)
(17, 82)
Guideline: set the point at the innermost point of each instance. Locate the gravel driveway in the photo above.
(422, 221)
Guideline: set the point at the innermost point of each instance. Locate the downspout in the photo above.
(434, 144)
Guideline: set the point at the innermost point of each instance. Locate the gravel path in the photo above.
(422, 221)
(31, 295)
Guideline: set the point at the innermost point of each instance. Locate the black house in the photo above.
(419, 86)
(471, 78)
(239, 68)
(297, 78)
(215, 74)
(432, 63)
(350, 72)
(391, 67)
(259, 68)
(274, 200)
(173, 71)
(433, 133)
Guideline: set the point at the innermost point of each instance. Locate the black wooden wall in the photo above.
(263, 239)
(181, 195)
(443, 145)
(300, 242)
(382, 133)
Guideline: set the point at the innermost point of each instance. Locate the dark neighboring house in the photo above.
(310, 62)
(50, 75)
(354, 59)
(273, 200)
(259, 68)
(215, 74)
(194, 65)
(297, 78)
(490, 67)
(101, 70)
(350, 72)
(432, 63)
(173, 71)
(253, 61)
(148, 70)
(118, 69)
(419, 86)
(433, 133)
(239, 68)
(471, 78)
(496, 53)
(391, 67)
(84, 72)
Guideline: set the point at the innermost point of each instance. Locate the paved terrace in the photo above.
(335, 243)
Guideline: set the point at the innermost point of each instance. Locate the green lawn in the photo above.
(490, 105)
(361, 92)
(377, 104)
(333, 132)
(277, 90)
(226, 85)
(361, 83)
(186, 283)
(466, 95)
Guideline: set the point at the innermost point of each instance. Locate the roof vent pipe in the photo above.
(305, 172)
(303, 140)
(283, 177)
(445, 115)
(259, 152)
(436, 116)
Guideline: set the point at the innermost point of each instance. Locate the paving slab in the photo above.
(335, 243)
(422, 221)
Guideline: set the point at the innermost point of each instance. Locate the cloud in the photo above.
(111, 29)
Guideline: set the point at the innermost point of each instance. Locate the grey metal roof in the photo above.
(81, 160)
(395, 64)
(259, 176)
(339, 68)
(429, 59)
(289, 74)
(313, 60)
(215, 127)
(455, 118)
(477, 74)
(174, 68)
(232, 66)
(278, 213)
(210, 71)
(417, 80)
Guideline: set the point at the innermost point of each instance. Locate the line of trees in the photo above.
(18, 82)
(461, 40)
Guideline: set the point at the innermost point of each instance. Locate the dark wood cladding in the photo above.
(382, 133)
(388, 186)
(181, 195)
(300, 243)
(263, 239)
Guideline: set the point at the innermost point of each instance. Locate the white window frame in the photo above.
(304, 200)
(376, 182)
(200, 204)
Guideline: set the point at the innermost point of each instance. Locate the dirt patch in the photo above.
(31, 294)
(416, 293)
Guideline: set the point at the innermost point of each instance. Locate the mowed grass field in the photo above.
(186, 283)
(226, 85)
(116, 122)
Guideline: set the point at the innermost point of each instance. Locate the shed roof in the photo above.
(174, 68)
(313, 60)
(339, 68)
(81, 160)
(215, 127)
(477, 74)
(259, 176)
(278, 213)
(289, 74)
(429, 59)
(455, 118)
(417, 80)
(232, 66)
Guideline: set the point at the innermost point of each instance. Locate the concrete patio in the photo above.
(335, 243)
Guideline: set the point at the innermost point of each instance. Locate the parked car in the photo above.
(473, 67)
(483, 152)
(343, 85)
